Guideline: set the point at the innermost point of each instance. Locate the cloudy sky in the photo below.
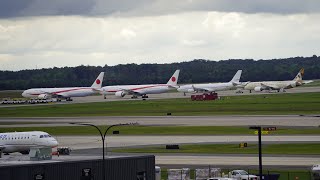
(47, 33)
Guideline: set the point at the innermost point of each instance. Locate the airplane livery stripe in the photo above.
(139, 88)
(69, 90)
(62, 91)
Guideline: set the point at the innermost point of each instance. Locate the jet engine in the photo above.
(43, 96)
(258, 89)
(120, 94)
(25, 152)
(190, 90)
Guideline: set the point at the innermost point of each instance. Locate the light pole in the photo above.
(260, 148)
(103, 138)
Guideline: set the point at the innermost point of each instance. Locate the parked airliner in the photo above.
(141, 90)
(211, 87)
(22, 141)
(66, 92)
(279, 86)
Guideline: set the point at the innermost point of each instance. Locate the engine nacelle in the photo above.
(258, 89)
(120, 94)
(43, 96)
(190, 90)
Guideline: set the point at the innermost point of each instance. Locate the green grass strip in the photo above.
(270, 104)
(283, 149)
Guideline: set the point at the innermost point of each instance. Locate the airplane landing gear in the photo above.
(145, 96)
(69, 99)
(104, 97)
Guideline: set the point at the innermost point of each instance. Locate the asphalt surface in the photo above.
(227, 120)
(87, 142)
(182, 160)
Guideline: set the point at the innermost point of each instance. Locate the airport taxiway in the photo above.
(223, 120)
(183, 160)
(85, 142)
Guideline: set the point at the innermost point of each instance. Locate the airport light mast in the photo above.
(260, 148)
(103, 138)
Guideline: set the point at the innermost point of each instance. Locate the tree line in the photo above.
(196, 71)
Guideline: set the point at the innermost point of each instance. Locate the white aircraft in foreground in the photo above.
(66, 92)
(279, 86)
(22, 141)
(141, 90)
(211, 87)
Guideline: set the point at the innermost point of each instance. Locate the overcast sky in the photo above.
(46, 33)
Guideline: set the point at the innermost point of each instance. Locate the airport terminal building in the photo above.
(116, 168)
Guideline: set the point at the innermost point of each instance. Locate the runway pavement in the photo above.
(227, 120)
(183, 160)
(85, 142)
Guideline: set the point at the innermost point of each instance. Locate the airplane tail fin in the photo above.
(97, 84)
(236, 77)
(174, 78)
(299, 75)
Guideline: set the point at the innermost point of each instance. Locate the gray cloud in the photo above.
(18, 8)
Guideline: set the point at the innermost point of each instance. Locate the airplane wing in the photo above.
(242, 84)
(131, 92)
(53, 95)
(307, 82)
(272, 87)
(202, 89)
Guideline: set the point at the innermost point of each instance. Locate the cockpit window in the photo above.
(45, 136)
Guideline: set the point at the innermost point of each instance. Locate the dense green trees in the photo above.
(195, 71)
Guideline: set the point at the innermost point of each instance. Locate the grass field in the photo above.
(163, 130)
(283, 149)
(301, 103)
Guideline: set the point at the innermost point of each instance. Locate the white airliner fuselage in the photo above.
(141, 90)
(211, 87)
(22, 141)
(43, 93)
(279, 86)
(65, 92)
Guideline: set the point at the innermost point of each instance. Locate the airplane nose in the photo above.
(23, 94)
(54, 143)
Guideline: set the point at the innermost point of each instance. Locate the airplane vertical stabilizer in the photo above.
(236, 77)
(97, 84)
(299, 75)
(174, 78)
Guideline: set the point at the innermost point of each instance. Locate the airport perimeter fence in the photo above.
(204, 173)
